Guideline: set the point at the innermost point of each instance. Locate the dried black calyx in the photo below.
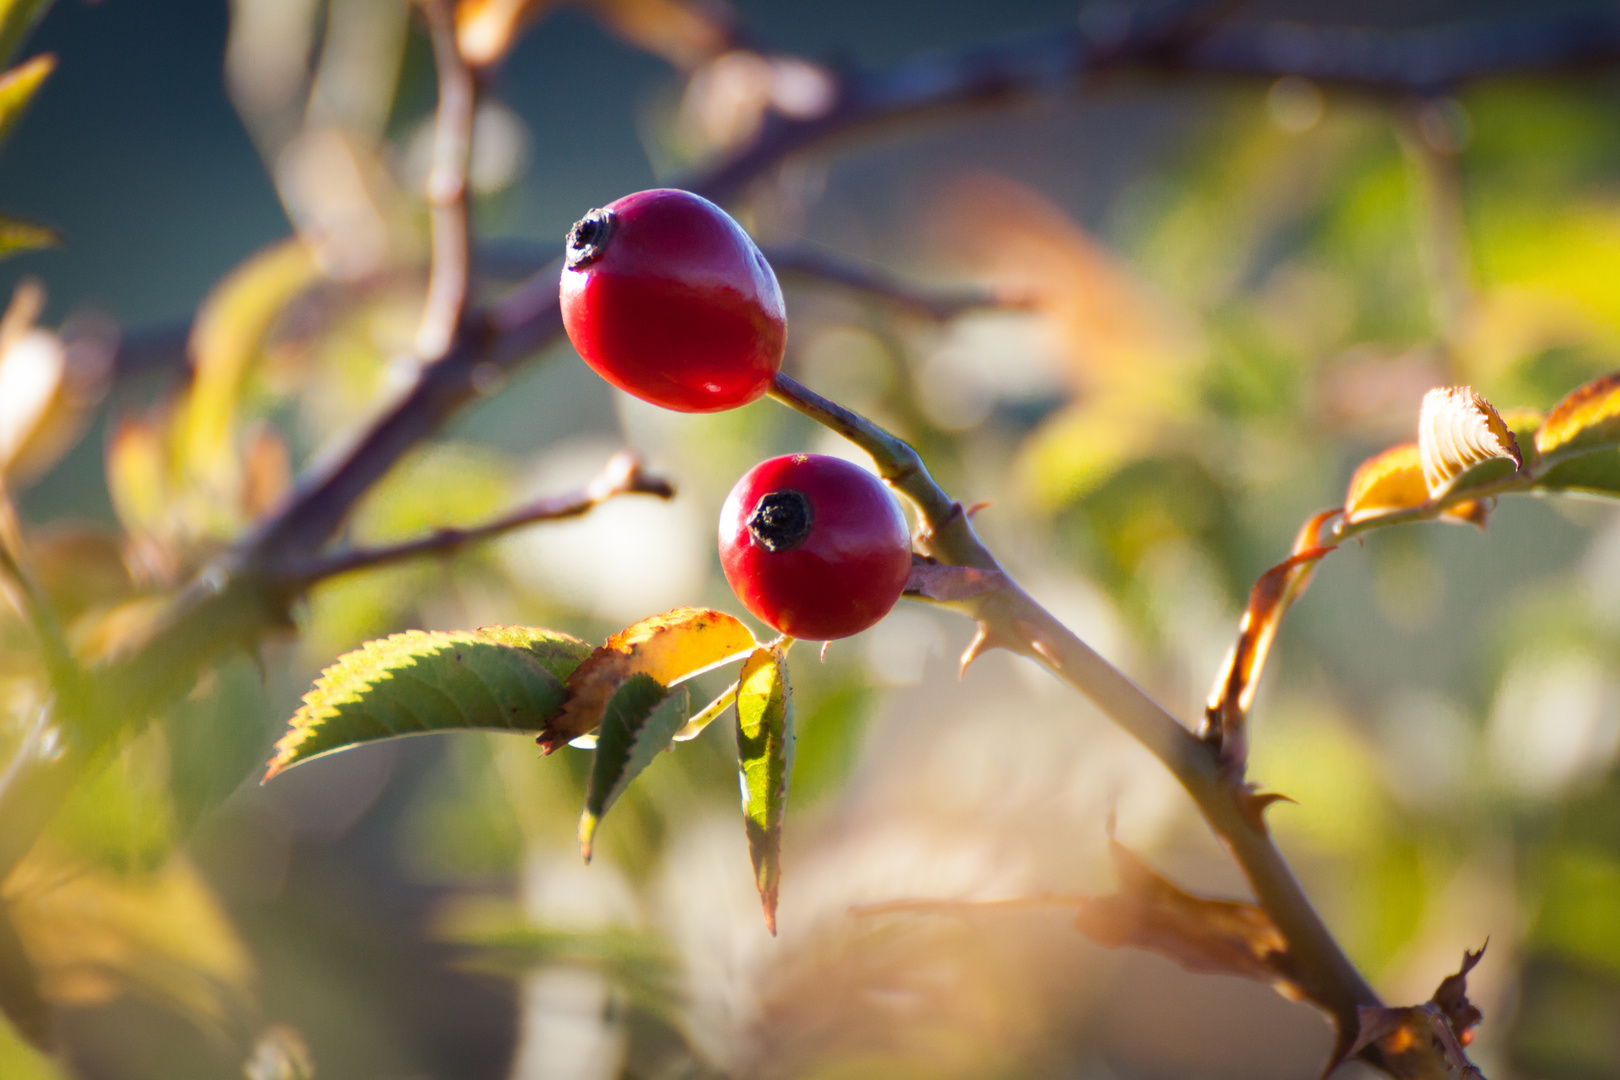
(587, 240)
(781, 520)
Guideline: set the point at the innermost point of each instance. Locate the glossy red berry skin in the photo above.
(667, 298)
(814, 546)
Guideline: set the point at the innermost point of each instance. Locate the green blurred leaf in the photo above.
(501, 678)
(503, 941)
(17, 88)
(641, 719)
(1597, 473)
(17, 235)
(17, 18)
(19, 1061)
(20, 1000)
(765, 761)
(217, 738)
(1580, 908)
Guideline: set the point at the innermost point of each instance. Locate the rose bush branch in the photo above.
(623, 475)
(1009, 618)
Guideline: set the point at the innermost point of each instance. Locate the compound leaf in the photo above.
(500, 678)
(642, 717)
(765, 765)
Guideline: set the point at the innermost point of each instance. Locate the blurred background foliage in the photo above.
(1235, 293)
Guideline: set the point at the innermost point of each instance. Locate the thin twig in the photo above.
(19, 587)
(623, 475)
(818, 264)
(1009, 618)
(447, 187)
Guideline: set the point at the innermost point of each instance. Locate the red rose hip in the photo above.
(667, 298)
(814, 546)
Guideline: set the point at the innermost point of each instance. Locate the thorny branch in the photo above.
(1008, 618)
(236, 599)
(623, 475)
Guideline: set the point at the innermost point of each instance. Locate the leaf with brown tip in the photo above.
(1226, 715)
(669, 647)
(1463, 441)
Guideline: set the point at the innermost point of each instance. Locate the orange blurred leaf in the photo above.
(1226, 715)
(1223, 937)
(486, 30)
(1458, 433)
(683, 32)
(668, 647)
(1587, 419)
(1391, 480)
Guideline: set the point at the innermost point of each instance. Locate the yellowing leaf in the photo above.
(1458, 431)
(499, 678)
(226, 338)
(641, 719)
(668, 647)
(1588, 419)
(17, 88)
(18, 235)
(17, 18)
(92, 935)
(765, 766)
(1391, 480)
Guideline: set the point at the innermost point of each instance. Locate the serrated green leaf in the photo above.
(17, 236)
(498, 678)
(17, 18)
(642, 717)
(1596, 473)
(17, 88)
(765, 765)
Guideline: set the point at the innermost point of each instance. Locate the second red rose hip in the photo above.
(666, 297)
(814, 546)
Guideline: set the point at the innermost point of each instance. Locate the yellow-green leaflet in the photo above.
(765, 765)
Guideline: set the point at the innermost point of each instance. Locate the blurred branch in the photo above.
(622, 475)
(20, 589)
(817, 264)
(447, 186)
